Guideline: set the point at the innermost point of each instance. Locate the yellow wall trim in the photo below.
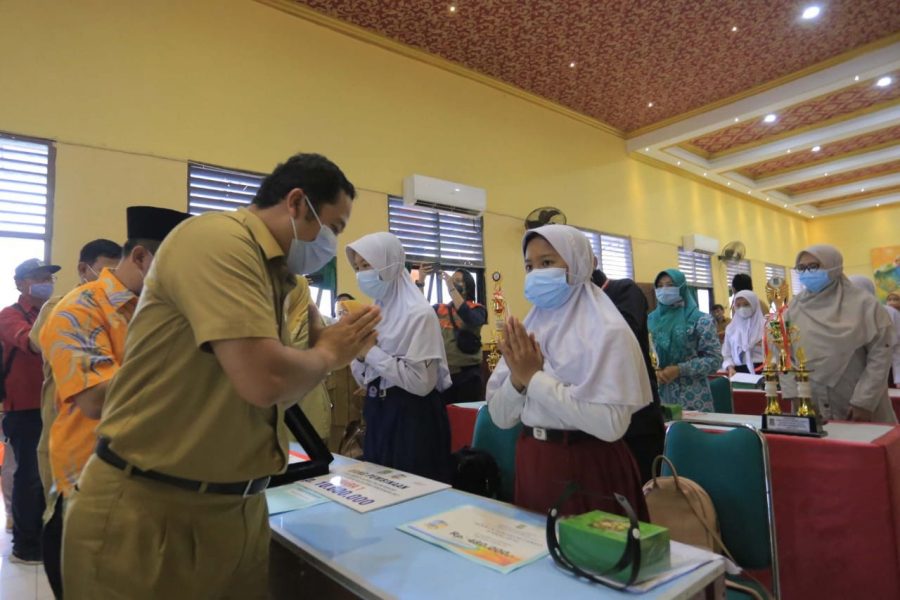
(370, 37)
(821, 66)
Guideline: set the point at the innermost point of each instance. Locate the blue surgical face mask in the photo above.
(371, 284)
(668, 295)
(815, 281)
(548, 288)
(308, 257)
(41, 291)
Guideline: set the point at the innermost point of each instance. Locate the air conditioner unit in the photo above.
(700, 243)
(444, 196)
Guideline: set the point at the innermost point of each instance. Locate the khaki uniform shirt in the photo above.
(316, 404)
(171, 407)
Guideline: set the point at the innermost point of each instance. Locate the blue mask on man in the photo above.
(815, 281)
(548, 288)
(668, 295)
(41, 291)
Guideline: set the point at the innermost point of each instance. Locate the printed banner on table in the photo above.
(487, 538)
(365, 487)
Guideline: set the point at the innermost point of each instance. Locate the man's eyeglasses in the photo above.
(811, 267)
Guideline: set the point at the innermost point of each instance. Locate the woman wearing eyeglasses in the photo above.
(847, 338)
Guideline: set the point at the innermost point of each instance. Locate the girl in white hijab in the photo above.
(742, 348)
(847, 337)
(572, 373)
(406, 421)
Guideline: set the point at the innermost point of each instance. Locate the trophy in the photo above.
(498, 305)
(780, 347)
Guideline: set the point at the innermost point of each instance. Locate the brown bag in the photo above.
(683, 507)
(351, 444)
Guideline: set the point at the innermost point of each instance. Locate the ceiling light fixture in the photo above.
(811, 12)
(736, 119)
(729, 184)
(679, 163)
(647, 149)
(785, 205)
(649, 105)
(734, 29)
(884, 81)
(704, 174)
(816, 148)
(572, 65)
(770, 118)
(788, 150)
(826, 175)
(856, 78)
(862, 189)
(453, 8)
(877, 205)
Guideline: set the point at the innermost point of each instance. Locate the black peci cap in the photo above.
(152, 222)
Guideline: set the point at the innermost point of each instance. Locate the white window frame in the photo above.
(606, 246)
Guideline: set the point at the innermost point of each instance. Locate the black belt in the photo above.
(241, 488)
(566, 436)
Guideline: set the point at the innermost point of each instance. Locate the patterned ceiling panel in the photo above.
(678, 54)
(843, 103)
(843, 200)
(804, 158)
(821, 183)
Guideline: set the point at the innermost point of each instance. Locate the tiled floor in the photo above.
(19, 582)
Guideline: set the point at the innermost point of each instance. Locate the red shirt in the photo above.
(23, 383)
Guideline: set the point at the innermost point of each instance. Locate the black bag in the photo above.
(466, 341)
(475, 471)
(7, 361)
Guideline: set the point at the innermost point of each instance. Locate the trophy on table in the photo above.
(783, 355)
(498, 306)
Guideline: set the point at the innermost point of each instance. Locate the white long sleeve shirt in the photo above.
(547, 403)
(418, 378)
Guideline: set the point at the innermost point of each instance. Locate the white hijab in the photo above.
(409, 328)
(835, 322)
(586, 343)
(743, 334)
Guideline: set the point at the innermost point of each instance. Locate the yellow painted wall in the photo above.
(856, 234)
(132, 90)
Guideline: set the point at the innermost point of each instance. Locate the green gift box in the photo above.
(672, 412)
(595, 541)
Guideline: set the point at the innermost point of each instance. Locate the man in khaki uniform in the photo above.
(171, 503)
(301, 314)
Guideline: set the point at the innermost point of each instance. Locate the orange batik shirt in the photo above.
(84, 343)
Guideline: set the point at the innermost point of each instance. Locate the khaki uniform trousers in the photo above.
(130, 538)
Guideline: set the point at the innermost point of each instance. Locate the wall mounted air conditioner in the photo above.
(700, 243)
(444, 196)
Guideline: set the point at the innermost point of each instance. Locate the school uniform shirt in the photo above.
(83, 341)
(171, 407)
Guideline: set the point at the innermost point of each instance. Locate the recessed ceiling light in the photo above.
(884, 81)
(455, 189)
(453, 8)
(862, 189)
(785, 205)
(729, 184)
(856, 78)
(816, 148)
(704, 174)
(825, 175)
(811, 12)
(749, 191)
(770, 118)
(733, 29)
(877, 205)
(649, 105)
(768, 199)
(647, 149)
(572, 65)
(679, 163)
(788, 150)
(736, 119)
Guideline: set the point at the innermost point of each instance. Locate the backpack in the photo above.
(466, 341)
(475, 471)
(683, 506)
(6, 362)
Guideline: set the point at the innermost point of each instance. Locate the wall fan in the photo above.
(546, 215)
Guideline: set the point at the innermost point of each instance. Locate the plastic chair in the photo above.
(733, 468)
(501, 444)
(720, 387)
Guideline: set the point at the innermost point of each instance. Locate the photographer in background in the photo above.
(461, 321)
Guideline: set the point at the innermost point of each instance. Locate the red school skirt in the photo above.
(544, 469)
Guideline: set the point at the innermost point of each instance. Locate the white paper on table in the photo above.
(365, 486)
(748, 378)
(482, 536)
(285, 498)
(683, 559)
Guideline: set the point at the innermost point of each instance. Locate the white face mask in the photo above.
(304, 257)
(745, 312)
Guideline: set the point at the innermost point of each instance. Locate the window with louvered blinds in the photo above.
(216, 188)
(429, 236)
(697, 268)
(733, 267)
(26, 200)
(613, 254)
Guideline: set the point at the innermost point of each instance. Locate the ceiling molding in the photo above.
(847, 189)
(870, 203)
(833, 167)
(369, 37)
(865, 66)
(775, 83)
